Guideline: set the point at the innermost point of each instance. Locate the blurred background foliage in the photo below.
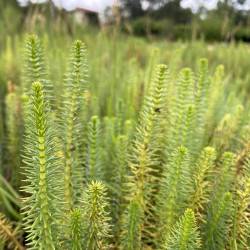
(148, 18)
(167, 18)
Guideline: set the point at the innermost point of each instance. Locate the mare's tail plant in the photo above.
(131, 237)
(176, 189)
(185, 234)
(96, 224)
(43, 175)
(77, 228)
(217, 224)
(93, 159)
(201, 101)
(118, 182)
(241, 231)
(215, 90)
(72, 141)
(180, 123)
(120, 117)
(203, 181)
(35, 67)
(144, 161)
(13, 123)
(219, 209)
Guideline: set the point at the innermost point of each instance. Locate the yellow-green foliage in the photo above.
(43, 175)
(143, 147)
(9, 235)
(73, 104)
(76, 229)
(240, 237)
(144, 161)
(203, 178)
(96, 224)
(185, 234)
(176, 188)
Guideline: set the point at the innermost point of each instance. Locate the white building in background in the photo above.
(85, 16)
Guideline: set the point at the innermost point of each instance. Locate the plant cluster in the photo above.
(163, 179)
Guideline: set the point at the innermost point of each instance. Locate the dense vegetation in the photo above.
(113, 150)
(119, 143)
(228, 20)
